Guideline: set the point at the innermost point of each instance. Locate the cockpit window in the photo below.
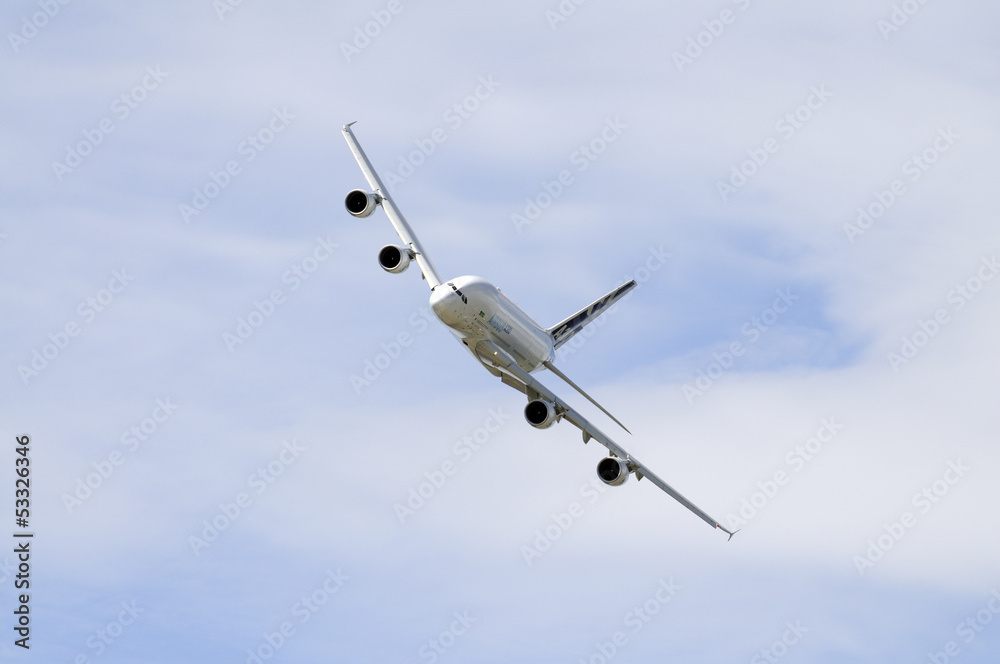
(460, 294)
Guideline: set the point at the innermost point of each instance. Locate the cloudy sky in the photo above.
(250, 444)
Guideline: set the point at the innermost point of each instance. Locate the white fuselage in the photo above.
(475, 310)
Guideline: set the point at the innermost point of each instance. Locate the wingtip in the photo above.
(348, 126)
(731, 533)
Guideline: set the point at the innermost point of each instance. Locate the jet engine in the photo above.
(613, 471)
(361, 203)
(540, 413)
(393, 259)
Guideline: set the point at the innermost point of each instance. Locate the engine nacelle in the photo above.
(613, 471)
(393, 258)
(361, 203)
(540, 413)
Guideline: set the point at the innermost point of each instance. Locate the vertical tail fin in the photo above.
(564, 330)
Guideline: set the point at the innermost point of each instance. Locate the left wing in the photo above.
(403, 229)
(499, 363)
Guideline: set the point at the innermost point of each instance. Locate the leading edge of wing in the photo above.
(396, 218)
(491, 355)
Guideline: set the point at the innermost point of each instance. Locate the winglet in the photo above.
(731, 533)
(348, 125)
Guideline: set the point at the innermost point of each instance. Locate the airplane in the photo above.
(501, 336)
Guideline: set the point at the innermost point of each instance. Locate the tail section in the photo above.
(564, 330)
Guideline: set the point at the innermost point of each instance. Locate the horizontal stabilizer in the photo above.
(564, 330)
(551, 367)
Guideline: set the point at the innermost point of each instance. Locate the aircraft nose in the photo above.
(443, 304)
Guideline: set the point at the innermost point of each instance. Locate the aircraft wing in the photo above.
(403, 229)
(499, 363)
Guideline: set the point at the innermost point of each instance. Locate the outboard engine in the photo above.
(361, 203)
(613, 471)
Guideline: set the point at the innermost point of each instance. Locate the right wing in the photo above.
(498, 362)
(395, 216)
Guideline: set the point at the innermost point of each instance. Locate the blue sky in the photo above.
(852, 437)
